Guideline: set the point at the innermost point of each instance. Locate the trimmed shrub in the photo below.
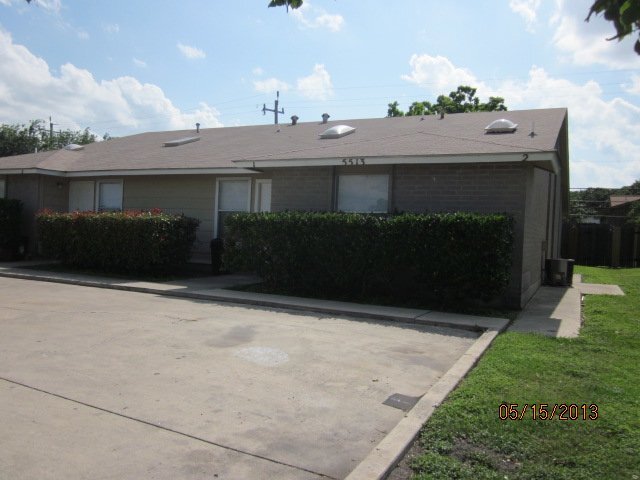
(131, 242)
(10, 224)
(442, 257)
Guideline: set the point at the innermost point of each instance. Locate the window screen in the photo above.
(363, 193)
(110, 196)
(233, 196)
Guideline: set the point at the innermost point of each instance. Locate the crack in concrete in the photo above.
(167, 429)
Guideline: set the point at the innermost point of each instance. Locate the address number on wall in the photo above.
(353, 161)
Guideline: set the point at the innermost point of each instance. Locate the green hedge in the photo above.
(10, 224)
(442, 257)
(130, 242)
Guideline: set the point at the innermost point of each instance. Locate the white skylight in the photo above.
(74, 147)
(181, 141)
(501, 126)
(337, 131)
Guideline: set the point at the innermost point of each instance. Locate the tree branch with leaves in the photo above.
(625, 15)
(461, 100)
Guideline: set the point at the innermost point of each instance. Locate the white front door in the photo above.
(233, 196)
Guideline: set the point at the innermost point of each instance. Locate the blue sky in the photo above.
(126, 67)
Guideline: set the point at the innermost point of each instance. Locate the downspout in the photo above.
(555, 221)
(334, 189)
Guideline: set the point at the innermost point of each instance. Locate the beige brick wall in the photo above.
(305, 189)
(480, 188)
(535, 246)
(191, 195)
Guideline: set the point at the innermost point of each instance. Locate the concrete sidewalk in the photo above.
(557, 311)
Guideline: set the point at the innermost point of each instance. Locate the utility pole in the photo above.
(274, 109)
(51, 124)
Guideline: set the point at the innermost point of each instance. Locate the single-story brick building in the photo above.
(514, 162)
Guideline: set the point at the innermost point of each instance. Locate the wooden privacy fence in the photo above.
(601, 245)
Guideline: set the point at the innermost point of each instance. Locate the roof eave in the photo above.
(549, 157)
(128, 172)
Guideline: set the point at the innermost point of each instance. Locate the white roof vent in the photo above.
(181, 141)
(74, 147)
(501, 126)
(337, 131)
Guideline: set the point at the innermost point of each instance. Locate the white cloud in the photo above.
(191, 52)
(82, 35)
(604, 144)
(438, 75)
(584, 43)
(527, 9)
(312, 17)
(111, 28)
(139, 63)
(635, 85)
(257, 71)
(270, 85)
(29, 90)
(316, 86)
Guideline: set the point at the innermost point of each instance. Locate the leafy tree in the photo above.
(462, 100)
(589, 202)
(279, 3)
(625, 15)
(595, 201)
(394, 111)
(634, 213)
(633, 189)
(18, 139)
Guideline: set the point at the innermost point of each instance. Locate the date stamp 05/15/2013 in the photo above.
(548, 411)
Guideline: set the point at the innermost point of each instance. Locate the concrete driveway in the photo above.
(103, 384)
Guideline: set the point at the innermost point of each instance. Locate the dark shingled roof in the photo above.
(456, 134)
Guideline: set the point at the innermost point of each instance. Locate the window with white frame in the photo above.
(109, 196)
(363, 193)
(3, 187)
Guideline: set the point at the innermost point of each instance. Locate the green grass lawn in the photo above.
(466, 439)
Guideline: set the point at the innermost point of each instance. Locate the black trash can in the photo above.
(557, 272)
(570, 263)
(217, 246)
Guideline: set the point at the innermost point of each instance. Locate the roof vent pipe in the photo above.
(325, 117)
(294, 120)
(441, 113)
(197, 128)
